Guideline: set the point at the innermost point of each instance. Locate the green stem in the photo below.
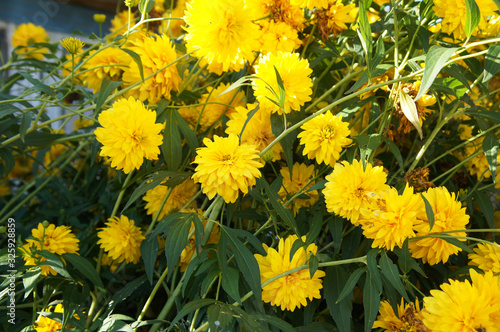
(152, 295)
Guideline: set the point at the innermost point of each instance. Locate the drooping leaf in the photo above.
(176, 241)
(409, 109)
(371, 301)
(351, 282)
(285, 214)
(429, 212)
(391, 272)
(149, 254)
(85, 267)
(490, 148)
(39, 86)
(136, 58)
(230, 284)
(29, 280)
(107, 87)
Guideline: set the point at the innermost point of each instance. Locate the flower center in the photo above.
(328, 132)
(226, 157)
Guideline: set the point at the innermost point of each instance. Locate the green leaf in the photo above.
(230, 283)
(55, 262)
(39, 86)
(365, 35)
(335, 283)
(172, 144)
(176, 241)
(281, 90)
(85, 267)
(473, 17)
(490, 148)
(367, 145)
(237, 84)
(429, 212)
(371, 262)
(187, 132)
(313, 265)
(434, 61)
(315, 226)
(379, 70)
(29, 280)
(40, 138)
(136, 58)
(405, 261)
(497, 2)
(275, 321)
(371, 300)
(72, 299)
(220, 313)
(107, 87)
(491, 62)
(25, 124)
(285, 214)
(486, 207)
(456, 242)
(149, 183)
(149, 254)
(246, 262)
(124, 293)
(395, 152)
(277, 127)
(145, 6)
(191, 307)
(391, 272)
(351, 282)
(249, 116)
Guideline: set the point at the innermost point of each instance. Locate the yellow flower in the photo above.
(100, 18)
(82, 122)
(257, 131)
(291, 291)
(121, 239)
(222, 31)
(454, 14)
(216, 105)
(278, 36)
(464, 307)
(45, 324)
(301, 176)
(180, 196)
(129, 133)
(409, 318)
(58, 240)
(72, 45)
(225, 167)
(486, 257)
(156, 54)
(323, 138)
(311, 4)
(131, 3)
(465, 131)
(294, 73)
(27, 34)
(350, 188)
(391, 222)
(279, 10)
(448, 216)
(106, 63)
(174, 27)
(340, 15)
(478, 165)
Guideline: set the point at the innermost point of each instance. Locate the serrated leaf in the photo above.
(491, 62)
(172, 145)
(351, 282)
(409, 109)
(136, 58)
(490, 148)
(25, 124)
(149, 254)
(107, 87)
(435, 60)
(472, 18)
(391, 272)
(429, 212)
(191, 307)
(335, 283)
(230, 283)
(85, 268)
(371, 301)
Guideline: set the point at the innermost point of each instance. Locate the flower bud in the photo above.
(72, 45)
(99, 18)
